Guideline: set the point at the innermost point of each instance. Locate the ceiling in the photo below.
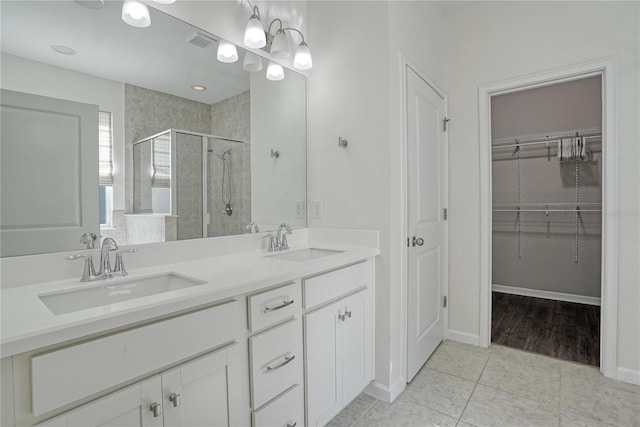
(157, 57)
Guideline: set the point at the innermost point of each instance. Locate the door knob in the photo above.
(417, 241)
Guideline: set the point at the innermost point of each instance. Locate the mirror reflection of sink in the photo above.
(107, 292)
(307, 254)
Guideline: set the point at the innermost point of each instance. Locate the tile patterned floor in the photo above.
(467, 386)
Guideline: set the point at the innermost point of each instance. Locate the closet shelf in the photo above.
(544, 138)
(548, 207)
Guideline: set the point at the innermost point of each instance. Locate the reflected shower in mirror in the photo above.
(189, 138)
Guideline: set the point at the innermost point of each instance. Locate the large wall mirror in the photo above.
(199, 148)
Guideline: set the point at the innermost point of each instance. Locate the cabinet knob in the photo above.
(156, 408)
(175, 399)
(292, 424)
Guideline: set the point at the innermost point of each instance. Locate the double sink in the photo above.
(107, 293)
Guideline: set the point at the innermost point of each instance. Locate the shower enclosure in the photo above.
(199, 183)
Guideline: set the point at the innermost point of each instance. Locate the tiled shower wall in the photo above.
(230, 118)
(148, 112)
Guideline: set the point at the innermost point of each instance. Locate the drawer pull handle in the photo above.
(156, 408)
(283, 305)
(175, 399)
(275, 368)
(294, 424)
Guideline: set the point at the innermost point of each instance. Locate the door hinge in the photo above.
(444, 123)
(444, 301)
(446, 213)
(408, 240)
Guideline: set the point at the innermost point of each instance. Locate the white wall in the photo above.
(278, 122)
(25, 75)
(355, 92)
(492, 41)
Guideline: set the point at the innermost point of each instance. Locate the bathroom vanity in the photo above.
(255, 338)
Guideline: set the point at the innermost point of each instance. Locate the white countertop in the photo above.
(27, 324)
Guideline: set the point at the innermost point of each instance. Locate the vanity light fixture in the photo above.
(256, 37)
(135, 13)
(227, 52)
(254, 32)
(275, 71)
(252, 62)
(199, 88)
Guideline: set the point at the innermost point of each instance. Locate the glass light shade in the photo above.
(227, 52)
(280, 45)
(275, 71)
(252, 62)
(135, 14)
(254, 33)
(302, 59)
(165, 1)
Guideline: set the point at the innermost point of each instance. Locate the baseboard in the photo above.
(384, 393)
(558, 296)
(464, 337)
(628, 375)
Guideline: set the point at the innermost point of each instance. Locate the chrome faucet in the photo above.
(281, 236)
(108, 244)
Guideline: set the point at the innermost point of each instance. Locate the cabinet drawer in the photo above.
(276, 361)
(287, 410)
(325, 287)
(272, 306)
(64, 376)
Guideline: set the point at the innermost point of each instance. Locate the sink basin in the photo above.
(307, 254)
(104, 292)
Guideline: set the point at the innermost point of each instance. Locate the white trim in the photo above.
(405, 63)
(609, 293)
(384, 393)
(464, 337)
(628, 375)
(537, 293)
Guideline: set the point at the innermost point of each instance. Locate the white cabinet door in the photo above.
(354, 345)
(130, 407)
(197, 393)
(323, 391)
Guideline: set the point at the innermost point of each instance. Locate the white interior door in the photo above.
(49, 173)
(426, 225)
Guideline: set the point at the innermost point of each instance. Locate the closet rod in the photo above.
(548, 139)
(548, 210)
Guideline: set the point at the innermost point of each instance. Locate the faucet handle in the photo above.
(89, 271)
(119, 267)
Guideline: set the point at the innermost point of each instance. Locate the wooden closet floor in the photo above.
(565, 330)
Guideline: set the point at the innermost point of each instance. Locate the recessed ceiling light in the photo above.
(65, 50)
(199, 88)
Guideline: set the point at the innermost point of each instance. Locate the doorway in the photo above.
(602, 70)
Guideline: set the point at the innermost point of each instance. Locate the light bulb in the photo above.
(254, 33)
(252, 62)
(135, 13)
(280, 45)
(227, 52)
(275, 71)
(302, 59)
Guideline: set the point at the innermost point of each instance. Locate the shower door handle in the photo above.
(417, 241)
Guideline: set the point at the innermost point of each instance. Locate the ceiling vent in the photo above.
(201, 40)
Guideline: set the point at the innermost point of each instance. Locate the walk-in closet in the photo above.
(547, 219)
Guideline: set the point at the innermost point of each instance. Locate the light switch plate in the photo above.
(316, 209)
